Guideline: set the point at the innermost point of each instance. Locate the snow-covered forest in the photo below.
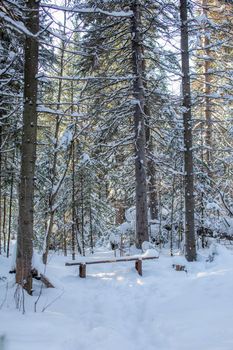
(116, 149)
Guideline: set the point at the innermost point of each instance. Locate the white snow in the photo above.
(85, 158)
(151, 252)
(36, 261)
(66, 138)
(114, 308)
(113, 238)
(18, 26)
(43, 109)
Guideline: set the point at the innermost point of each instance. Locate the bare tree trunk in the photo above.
(180, 228)
(4, 223)
(139, 127)
(151, 171)
(172, 214)
(27, 173)
(64, 236)
(190, 244)
(10, 209)
(53, 192)
(1, 189)
(73, 235)
(160, 216)
(82, 215)
(91, 231)
(73, 202)
(152, 188)
(120, 212)
(207, 92)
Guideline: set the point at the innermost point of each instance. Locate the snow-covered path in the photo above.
(115, 309)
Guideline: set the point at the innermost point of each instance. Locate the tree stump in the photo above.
(179, 267)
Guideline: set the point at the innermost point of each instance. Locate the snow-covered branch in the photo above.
(88, 10)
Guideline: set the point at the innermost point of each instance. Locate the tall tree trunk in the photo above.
(172, 214)
(73, 202)
(152, 189)
(4, 223)
(82, 215)
(180, 228)
(64, 236)
(139, 127)
(207, 92)
(151, 171)
(190, 244)
(120, 212)
(91, 230)
(53, 192)
(10, 209)
(0, 189)
(73, 235)
(28, 157)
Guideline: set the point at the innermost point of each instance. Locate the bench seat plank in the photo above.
(90, 262)
(137, 259)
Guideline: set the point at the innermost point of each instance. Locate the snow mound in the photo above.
(151, 253)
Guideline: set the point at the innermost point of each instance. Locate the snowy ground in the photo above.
(115, 309)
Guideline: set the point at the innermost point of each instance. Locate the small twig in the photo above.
(38, 298)
(5, 297)
(53, 301)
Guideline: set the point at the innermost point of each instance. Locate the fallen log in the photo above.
(39, 277)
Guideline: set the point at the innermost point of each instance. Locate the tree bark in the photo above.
(28, 155)
(10, 209)
(207, 92)
(4, 223)
(82, 214)
(64, 237)
(190, 244)
(151, 171)
(139, 127)
(0, 189)
(120, 212)
(54, 192)
(73, 235)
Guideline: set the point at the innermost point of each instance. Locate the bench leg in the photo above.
(138, 266)
(82, 271)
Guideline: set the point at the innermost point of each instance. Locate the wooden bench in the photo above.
(138, 263)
